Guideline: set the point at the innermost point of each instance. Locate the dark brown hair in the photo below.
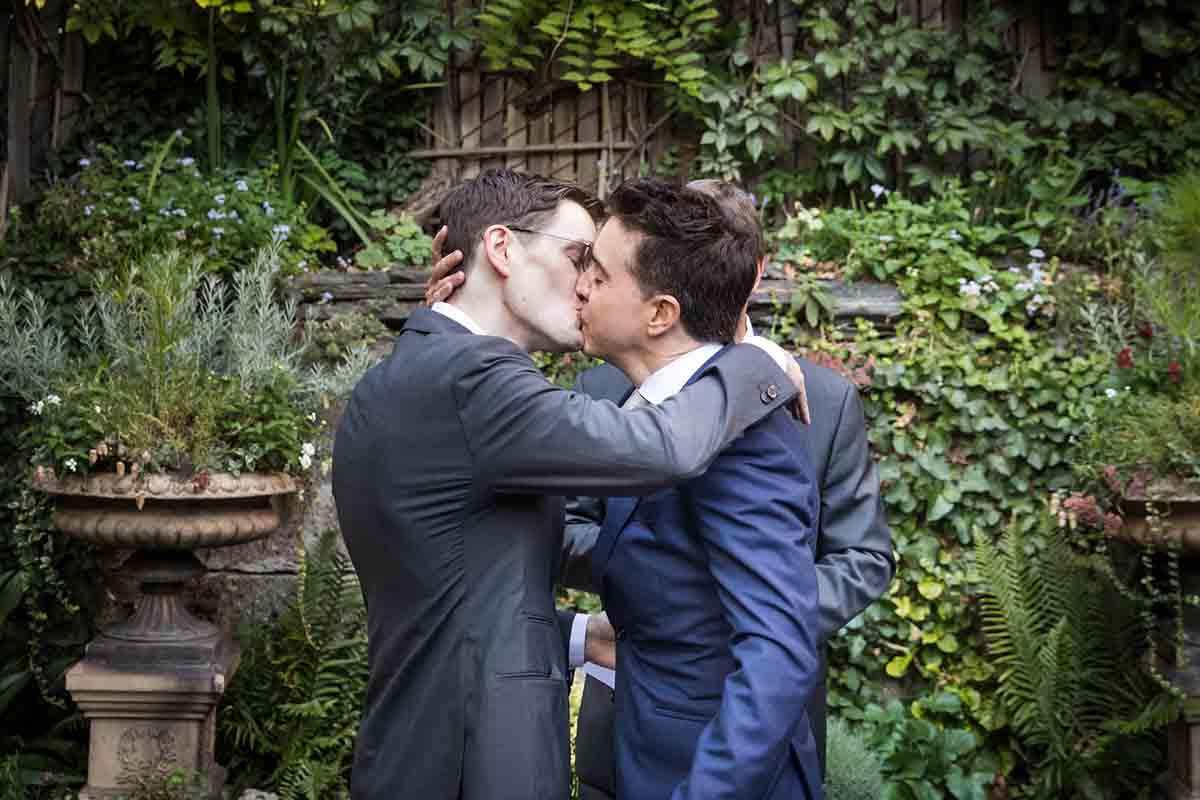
(690, 249)
(738, 204)
(504, 197)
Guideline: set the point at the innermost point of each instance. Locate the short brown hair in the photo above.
(691, 249)
(739, 205)
(504, 197)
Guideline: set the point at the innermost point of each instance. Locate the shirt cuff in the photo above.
(777, 353)
(575, 652)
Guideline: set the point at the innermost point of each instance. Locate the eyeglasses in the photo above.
(585, 258)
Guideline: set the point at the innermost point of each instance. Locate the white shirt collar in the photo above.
(670, 379)
(458, 315)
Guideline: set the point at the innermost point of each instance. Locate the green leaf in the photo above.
(931, 589)
(941, 507)
(12, 589)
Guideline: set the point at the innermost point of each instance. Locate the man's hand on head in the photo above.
(442, 283)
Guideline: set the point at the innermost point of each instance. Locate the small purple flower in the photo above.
(215, 214)
(1037, 253)
(267, 209)
(87, 210)
(128, 164)
(186, 161)
(885, 238)
(326, 297)
(85, 162)
(282, 232)
(242, 186)
(878, 190)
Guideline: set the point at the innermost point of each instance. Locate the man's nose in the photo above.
(583, 285)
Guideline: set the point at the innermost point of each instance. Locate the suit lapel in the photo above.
(617, 511)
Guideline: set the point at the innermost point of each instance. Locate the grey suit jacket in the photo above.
(854, 551)
(442, 469)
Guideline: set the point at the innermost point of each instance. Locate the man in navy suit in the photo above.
(710, 584)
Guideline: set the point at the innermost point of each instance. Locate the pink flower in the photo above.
(1112, 524)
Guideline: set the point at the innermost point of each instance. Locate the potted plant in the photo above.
(180, 422)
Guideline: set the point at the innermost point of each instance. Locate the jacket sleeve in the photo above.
(755, 510)
(854, 549)
(527, 435)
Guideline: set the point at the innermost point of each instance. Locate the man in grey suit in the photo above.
(444, 467)
(854, 555)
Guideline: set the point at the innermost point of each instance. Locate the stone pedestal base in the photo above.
(149, 708)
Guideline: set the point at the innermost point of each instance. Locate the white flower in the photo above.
(85, 162)
(128, 164)
(282, 232)
(180, 212)
(219, 199)
(267, 209)
(1037, 253)
(134, 204)
(312, 417)
(242, 186)
(885, 239)
(87, 210)
(38, 407)
(181, 235)
(878, 190)
(303, 265)
(98, 411)
(70, 464)
(186, 161)
(955, 236)
(305, 461)
(1024, 286)
(179, 131)
(308, 448)
(215, 214)
(234, 215)
(218, 232)
(83, 192)
(53, 399)
(1110, 393)
(969, 288)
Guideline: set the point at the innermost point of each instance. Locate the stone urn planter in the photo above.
(1174, 525)
(149, 686)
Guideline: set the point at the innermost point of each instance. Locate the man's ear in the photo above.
(664, 314)
(496, 241)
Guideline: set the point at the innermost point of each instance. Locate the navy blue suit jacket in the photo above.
(712, 588)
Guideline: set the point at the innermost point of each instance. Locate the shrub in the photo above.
(119, 208)
(852, 769)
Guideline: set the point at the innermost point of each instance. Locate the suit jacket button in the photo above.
(770, 393)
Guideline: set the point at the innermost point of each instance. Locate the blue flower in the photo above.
(85, 162)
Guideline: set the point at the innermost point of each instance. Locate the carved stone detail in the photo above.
(135, 741)
(202, 486)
